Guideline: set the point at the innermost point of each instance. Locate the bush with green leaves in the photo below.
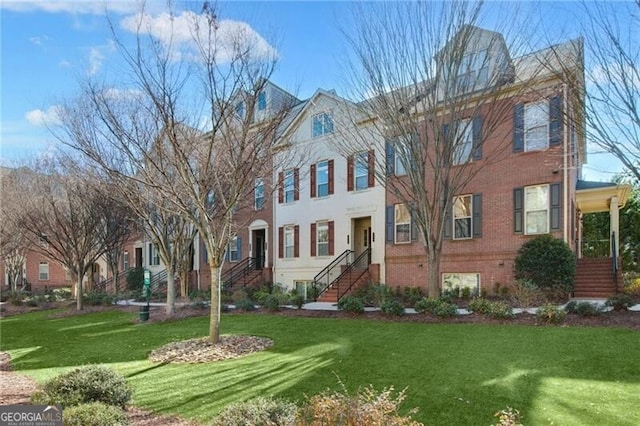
(500, 310)
(271, 303)
(97, 298)
(392, 307)
(367, 407)
(546, 261)
(480, 305)
(526, 294)
(411, 295)
(88, 384)
(94, 414)
(620, 302)
(374, 294)
(351, 304)
(258, 411)
(135, 280)
(585, 309)
(440, 307)
(297, 300)
(245, 305)
(551, 313)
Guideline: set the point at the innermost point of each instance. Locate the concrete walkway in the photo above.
(326, 306)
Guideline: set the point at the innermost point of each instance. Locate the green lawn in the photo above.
(455, 373)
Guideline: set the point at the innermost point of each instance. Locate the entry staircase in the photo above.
(343, 275)
(241, 275)
(598, 277)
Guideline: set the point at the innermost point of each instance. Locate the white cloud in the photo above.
(73, 7)
(95, 60)
(38, 117)
(38, 40)
(65, 64)
(178, 31)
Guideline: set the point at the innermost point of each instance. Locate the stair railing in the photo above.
(353, 272)
(158, 279)
(323, 280)
(238, 273)
(614, 259)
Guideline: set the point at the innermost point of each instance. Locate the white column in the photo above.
(614, 224)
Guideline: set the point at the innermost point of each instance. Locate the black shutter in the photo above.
(518, 210)
(390, 151)
(555, 120)
(554, 206)
(518, 128)
(414, 222)
(448, 222)
(476, 205)
(477, 138)
(390, 222)
(239, 247)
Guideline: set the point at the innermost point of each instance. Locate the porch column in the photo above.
(614, 224)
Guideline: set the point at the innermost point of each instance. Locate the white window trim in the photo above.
(544, 103)
(289, 186)
(399, 168)
(324, 225)
(464, 139)
(323, 116)
(289, 230)
(396, 224)
(233, 248)
(364, 156)
(526, 210)
(459, 279)
(44, 274)
(470, 217)
(259, 183)
(318, 183)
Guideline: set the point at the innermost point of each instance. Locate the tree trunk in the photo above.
(434, 276)
(171, 293)
(214, 318)
(79, 306)
(114, 275)
(184, 284)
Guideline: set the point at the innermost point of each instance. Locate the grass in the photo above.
(454, 373)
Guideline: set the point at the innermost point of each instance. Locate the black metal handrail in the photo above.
(614, 258)
(358, 268)
(108, 284)
(158, 279)
(239, 271)
(323, 280)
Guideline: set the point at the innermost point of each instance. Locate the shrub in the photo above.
(633, 288)
(245, 305)
(547, 261)
(439, 307)
(94, 414)
(88, 384)
(525, 294)
(584, 309)
(32, 301)
(392, 307)
(480, 306)
(297, 300)
(373, 294)
(238, 295)
(500, 310)
(551, 313)
(135, 280)
(508, 417)
(411, 295)
(258, 411)
(96, 298)
(367, 407)
(465, 293)
(272, 303)
(620, 302)
(260, 296)
(351, 304)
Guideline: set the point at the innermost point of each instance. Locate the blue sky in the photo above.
(47, 46)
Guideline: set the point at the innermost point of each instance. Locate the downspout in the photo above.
(565, 167)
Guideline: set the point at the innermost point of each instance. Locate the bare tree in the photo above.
(13, 244)
(439, 92)
(186, 137)
(61, 217)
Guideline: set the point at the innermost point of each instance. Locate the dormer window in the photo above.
(240, 109)
(322, 124)
(473, 71)
(262, 101)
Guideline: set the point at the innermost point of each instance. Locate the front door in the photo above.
(362, 236)
(259, 247)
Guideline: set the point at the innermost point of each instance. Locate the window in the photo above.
(398, 154)
(322, 179)
(402, 224)
(322, 124)
(361, 170)
(125, 260)
(304, 289)
(289, 187)
(240, 109)
(473, 71)
(262, 101)
(258, 193)
(462, 214)
(453, 284)
(154, 257)
(289, 242)
(43, 271)
(400, 158)
(234, 254)
(536, 126)
(322, 238)
(463, 142)
(536, 209)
